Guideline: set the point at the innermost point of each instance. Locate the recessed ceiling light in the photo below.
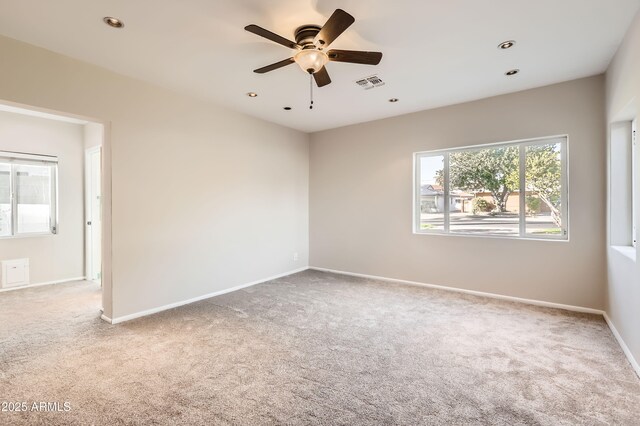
(506, 44)
(252, 94)
(512, 72)
(113, 22)
(287, 108)
(393, 100)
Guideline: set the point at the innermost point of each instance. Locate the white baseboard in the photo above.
(473, 292)
(623, 345)
(67, 280)
(151, 311)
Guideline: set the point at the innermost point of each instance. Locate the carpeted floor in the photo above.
(312, 348)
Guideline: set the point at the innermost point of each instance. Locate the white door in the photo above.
(93, 214)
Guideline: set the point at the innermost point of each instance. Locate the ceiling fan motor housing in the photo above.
(306, 34)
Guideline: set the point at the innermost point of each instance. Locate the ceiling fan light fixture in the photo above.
(311, 60)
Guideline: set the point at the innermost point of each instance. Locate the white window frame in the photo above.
(15, 159)
(634, 196)
(523, 143)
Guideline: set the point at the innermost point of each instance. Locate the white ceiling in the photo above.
(436, 52)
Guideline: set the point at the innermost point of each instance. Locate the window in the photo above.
(27, 194)
(516, 189)
(622, 189)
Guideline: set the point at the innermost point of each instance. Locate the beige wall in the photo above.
(623, 104)
(203, 198)
(61, 256)
(361, 181)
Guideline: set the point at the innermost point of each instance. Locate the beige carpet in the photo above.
(312, 348)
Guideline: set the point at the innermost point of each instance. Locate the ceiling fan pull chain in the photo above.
(311, 90)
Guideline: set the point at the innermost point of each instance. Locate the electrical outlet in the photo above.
(295, 256)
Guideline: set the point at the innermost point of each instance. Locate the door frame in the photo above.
(87, 208)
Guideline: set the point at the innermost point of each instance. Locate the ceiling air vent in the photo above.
(370, 82)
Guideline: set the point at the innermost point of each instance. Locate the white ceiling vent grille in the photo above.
(370, 82)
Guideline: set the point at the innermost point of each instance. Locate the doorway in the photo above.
(93, 214)
(82, 215)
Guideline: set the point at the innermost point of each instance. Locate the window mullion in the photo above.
(417, 176)
(447, 205)
(523, 190)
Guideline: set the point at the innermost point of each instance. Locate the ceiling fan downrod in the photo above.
(311, 90)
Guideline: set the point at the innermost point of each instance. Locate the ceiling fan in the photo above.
(311, 42)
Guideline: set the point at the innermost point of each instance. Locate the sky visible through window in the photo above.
(429, 166)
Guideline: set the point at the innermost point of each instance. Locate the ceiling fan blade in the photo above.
(322, 77)
(337, 23)
(275, 66)
(271, 36)
(355, 56)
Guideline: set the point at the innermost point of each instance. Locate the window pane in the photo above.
(432, 193)
(543, 181)
(484, 196)
(33, 192)
(5, 200)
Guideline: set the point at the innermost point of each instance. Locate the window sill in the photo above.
(561, 239)
(20, 236)
(628, 251)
